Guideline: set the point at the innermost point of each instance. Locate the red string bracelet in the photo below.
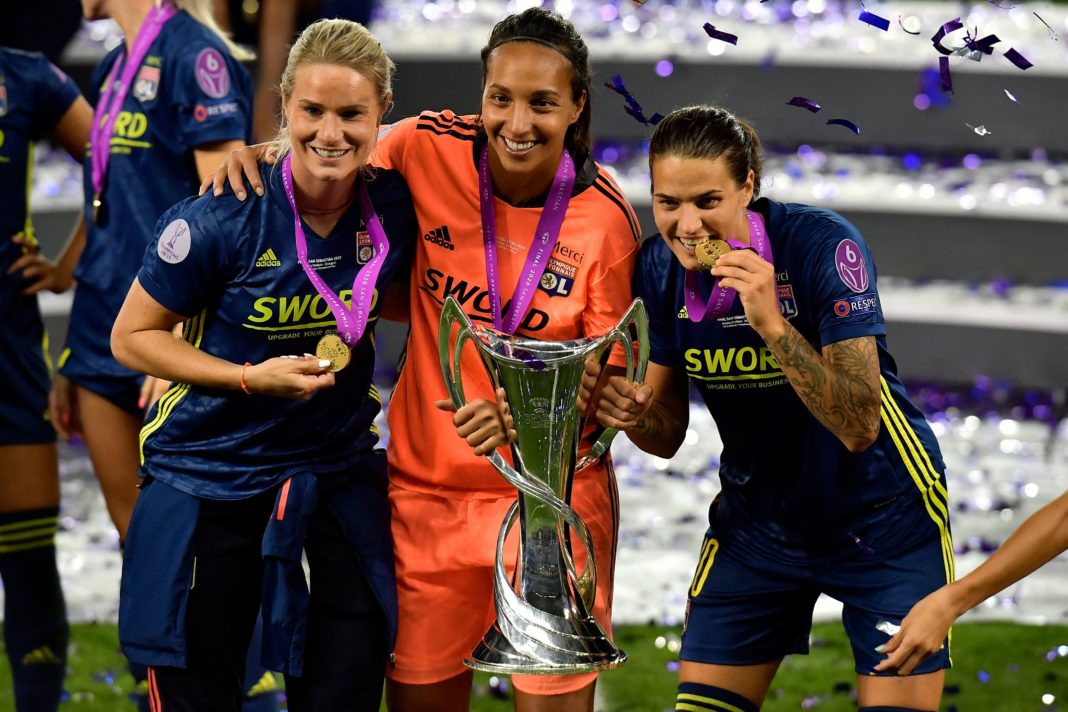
(244, 386)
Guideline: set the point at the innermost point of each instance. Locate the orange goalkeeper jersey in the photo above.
(585, 290)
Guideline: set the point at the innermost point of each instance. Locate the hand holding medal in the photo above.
(331, 348)
(708, 253)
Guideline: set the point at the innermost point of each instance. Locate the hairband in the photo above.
(524, 38)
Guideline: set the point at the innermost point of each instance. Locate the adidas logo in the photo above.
(268, 259)
(440, 236)
(41, 656)
(683, 314)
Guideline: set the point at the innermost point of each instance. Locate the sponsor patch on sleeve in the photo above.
(860, 304)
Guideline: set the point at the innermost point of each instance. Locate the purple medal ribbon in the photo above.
(351, 323)
(549, 224)
(115, 93)
(720, 300)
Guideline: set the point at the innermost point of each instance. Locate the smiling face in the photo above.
(333, 115)
(695, 199)
(527, 107)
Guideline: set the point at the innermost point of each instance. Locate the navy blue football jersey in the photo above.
(189, 91)
(790, 485)
(231, 268)
(34, 95)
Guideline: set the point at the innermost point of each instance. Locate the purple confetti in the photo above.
(985, 45)
(936, 39)
(632, 106)
(874, 20)
(1011, 97)
(804, 104)
(1018, 59)
(943, 75)
(715, 34)
(904, 29)
(847, 123)
(1052, 32)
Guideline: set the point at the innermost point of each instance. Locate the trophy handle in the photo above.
(449, 355)
(637, 318)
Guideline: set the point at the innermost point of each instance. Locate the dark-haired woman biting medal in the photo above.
(831, 480)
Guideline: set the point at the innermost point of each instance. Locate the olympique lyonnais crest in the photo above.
(146, 86)
(364, 249)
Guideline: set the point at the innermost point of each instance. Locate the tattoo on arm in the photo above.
(840, 388)
(657, 422)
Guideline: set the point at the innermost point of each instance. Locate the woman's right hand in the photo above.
(620, 404)
(485, 425)
(38, 272)
(63, 408)
(239, 165)
(298, 378)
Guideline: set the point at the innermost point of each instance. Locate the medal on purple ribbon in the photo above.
(549, 224)
(351, 321)
(720, 300)
(116, 88)
(711, 250)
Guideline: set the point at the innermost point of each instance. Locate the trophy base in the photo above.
(495, 653)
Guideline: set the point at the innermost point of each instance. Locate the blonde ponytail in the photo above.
(202, 12)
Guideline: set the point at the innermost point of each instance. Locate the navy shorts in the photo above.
(85, 370)
(747, 609)
(26, 368)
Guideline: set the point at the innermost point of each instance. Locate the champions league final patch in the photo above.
(173, 246)
(852, 269)
(213, 77)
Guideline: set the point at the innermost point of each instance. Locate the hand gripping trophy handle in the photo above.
(544, 624)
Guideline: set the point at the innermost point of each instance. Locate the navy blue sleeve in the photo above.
(650, 285)
(841, 283)
(54, 94)
(403, 228)
(210, 94)
(188, 262)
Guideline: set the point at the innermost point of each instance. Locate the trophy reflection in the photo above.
(544, 622)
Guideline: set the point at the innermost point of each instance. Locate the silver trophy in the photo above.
(544, 623)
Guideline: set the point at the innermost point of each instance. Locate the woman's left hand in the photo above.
(152, 389)
(753, 278)
(483, 424)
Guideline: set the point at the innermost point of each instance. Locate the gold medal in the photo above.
(709, 251)
(334, 350)
(96, 209)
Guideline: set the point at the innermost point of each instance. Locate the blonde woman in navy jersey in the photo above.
(256, 457)
(832, 482)
(36, 100)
